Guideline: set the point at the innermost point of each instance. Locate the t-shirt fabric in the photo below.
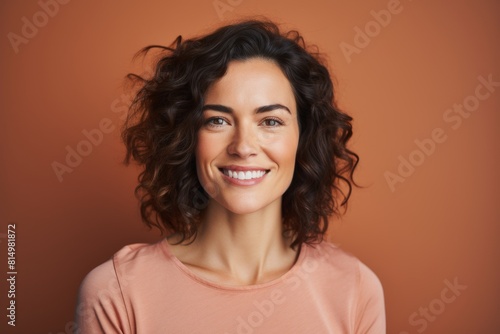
(144, 288)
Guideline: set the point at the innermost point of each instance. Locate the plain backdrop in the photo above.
(411, 73)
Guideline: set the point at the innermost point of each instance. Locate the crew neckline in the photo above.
(228, 287)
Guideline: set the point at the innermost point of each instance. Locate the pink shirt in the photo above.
(146, 289)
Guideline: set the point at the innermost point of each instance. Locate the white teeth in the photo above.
(248, 175)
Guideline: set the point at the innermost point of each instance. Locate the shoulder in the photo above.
(101, 303)
(98, 277)
(353, 282)
(336, 260)
(115, 268)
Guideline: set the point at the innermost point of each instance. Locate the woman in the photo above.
(244, 155)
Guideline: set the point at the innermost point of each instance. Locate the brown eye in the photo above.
(216, 121)
(272, 122)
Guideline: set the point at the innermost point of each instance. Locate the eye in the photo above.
(216, 121)
(272, 122)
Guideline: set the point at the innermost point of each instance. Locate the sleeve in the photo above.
(100, 307)
(370, 311)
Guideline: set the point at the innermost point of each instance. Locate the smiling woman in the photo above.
(249, 138)
(246, 117)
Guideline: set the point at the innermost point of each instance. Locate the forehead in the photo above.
(252, 83)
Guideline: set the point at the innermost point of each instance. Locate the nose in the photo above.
(243, 142)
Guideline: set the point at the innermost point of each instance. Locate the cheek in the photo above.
(205, 149)
(205, 153)
(283, 150)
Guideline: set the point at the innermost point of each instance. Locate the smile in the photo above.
(244, 175)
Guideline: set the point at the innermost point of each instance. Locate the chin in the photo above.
(244, 207)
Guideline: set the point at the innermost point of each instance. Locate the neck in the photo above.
(250, 248)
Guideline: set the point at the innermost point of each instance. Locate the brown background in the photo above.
(441, 223)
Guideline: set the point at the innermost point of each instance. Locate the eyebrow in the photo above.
(225, 109)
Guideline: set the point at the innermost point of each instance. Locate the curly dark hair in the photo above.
(160, 132)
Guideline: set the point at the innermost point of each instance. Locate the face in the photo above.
(245, 155)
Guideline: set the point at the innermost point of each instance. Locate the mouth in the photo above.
(244, 174)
